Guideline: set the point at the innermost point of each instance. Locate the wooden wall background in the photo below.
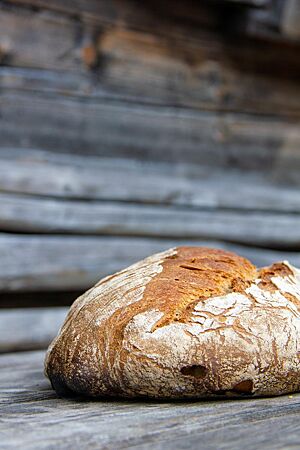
(128, 127)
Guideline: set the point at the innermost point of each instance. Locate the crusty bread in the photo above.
(187, 323)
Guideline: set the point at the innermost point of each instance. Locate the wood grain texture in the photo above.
(207, 71)
(35, 263)
(26, 398)
(126, 12)
(56, 34)
(213, 84)
(31, 214)
(117, 129)
(77, 177)
(29, 328)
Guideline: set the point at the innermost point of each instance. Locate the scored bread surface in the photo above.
(190, 322)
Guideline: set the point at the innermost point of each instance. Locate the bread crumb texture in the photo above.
(191, 322)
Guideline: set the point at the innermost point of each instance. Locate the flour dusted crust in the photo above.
(190, 322)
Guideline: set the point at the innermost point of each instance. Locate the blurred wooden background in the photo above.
(128, 127)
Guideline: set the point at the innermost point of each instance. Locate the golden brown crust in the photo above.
(190, 322)
(267, 273)
(193, 274)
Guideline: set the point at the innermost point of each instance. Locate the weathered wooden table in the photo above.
(33, 417)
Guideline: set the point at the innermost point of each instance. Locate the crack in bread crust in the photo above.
(196, 274)
(201, 309)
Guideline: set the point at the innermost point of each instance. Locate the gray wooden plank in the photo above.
(188, 17)
(216, 84)
(29, 328)
(78, 177)
(19, 26)
(34, 418)
(103, 11)
(39, 40)
(117, 129)
(29, 213)
(35, 263)
(205, 71)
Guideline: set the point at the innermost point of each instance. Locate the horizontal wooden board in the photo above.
(80, 40)
(35, 215)
(211, 84)
(78, 177)
(29, 328)
(207, 70)
(174, 17)
(115, 129)
(34, 418)
(36, 263)
(144, 17)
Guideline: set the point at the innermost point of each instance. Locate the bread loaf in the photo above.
(191, 322)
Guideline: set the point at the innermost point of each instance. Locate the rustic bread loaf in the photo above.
(187, 323)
